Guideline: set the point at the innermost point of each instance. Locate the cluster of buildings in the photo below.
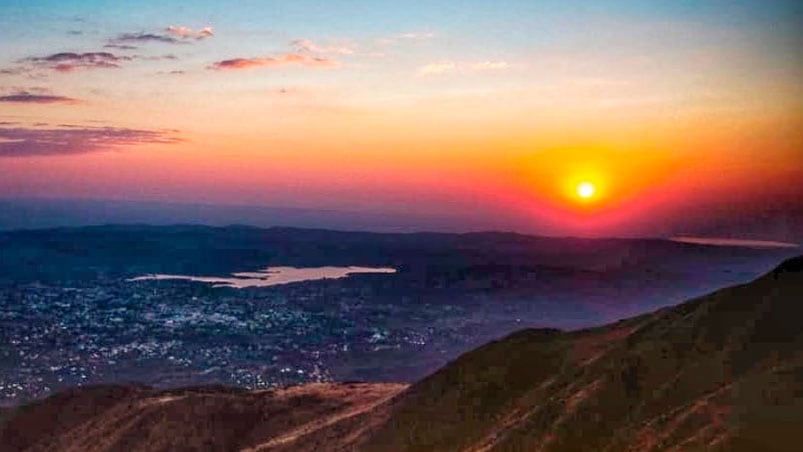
(172, 333)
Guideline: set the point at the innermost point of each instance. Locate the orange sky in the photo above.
(663, 111)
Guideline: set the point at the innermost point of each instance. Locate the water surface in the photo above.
(272, 276)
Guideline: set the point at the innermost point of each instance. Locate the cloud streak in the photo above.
(308, 46)
(453, 67)
(412, 36)
(288, 59)
(748, 243)
(75, 139)
(25, 97)
(142, 38)
(188, 33)
(69, 61)
(170, 35)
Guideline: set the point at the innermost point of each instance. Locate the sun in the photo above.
(586, 190)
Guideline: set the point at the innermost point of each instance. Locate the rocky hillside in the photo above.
(134, 418)
(722, 371)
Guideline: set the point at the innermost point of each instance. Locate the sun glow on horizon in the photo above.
(586, 190)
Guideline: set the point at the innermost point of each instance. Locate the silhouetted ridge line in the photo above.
(793, 265)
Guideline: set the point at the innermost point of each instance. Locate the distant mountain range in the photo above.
(781, 220)
(130, 250)
(642, 273)
(719, 372)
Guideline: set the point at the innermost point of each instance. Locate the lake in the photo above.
(272, 276)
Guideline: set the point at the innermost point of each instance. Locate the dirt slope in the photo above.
(139, 419)
(722, 371)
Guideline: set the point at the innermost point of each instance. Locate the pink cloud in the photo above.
(281, 60)
(68, 139)
(189, 33)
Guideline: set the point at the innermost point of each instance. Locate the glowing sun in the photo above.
(586, 190)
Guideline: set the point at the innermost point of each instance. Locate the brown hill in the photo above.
(721, 372)
(724, 371)
(131, 418)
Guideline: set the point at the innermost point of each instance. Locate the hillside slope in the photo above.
(721, 372)
(724, 370)
(136, 418)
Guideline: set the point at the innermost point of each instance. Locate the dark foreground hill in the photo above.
(112, 418)
(721, 372)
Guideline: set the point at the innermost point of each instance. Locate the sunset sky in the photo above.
(685, 116)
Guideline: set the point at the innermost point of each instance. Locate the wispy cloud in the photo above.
(166, 57)
(416, 36)
(170, 35)
(76, 139)
(442, 67)
(308, 46)
(25, 97)
(275, 61)
(452, 67)
(142, 37)
(305, 53)
(408, 36)
(69, 61)
(718, 241)
(120, 46)
(36, 66)
(489, 65)
(188, 33)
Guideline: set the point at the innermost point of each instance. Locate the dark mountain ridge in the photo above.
(116, 251)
